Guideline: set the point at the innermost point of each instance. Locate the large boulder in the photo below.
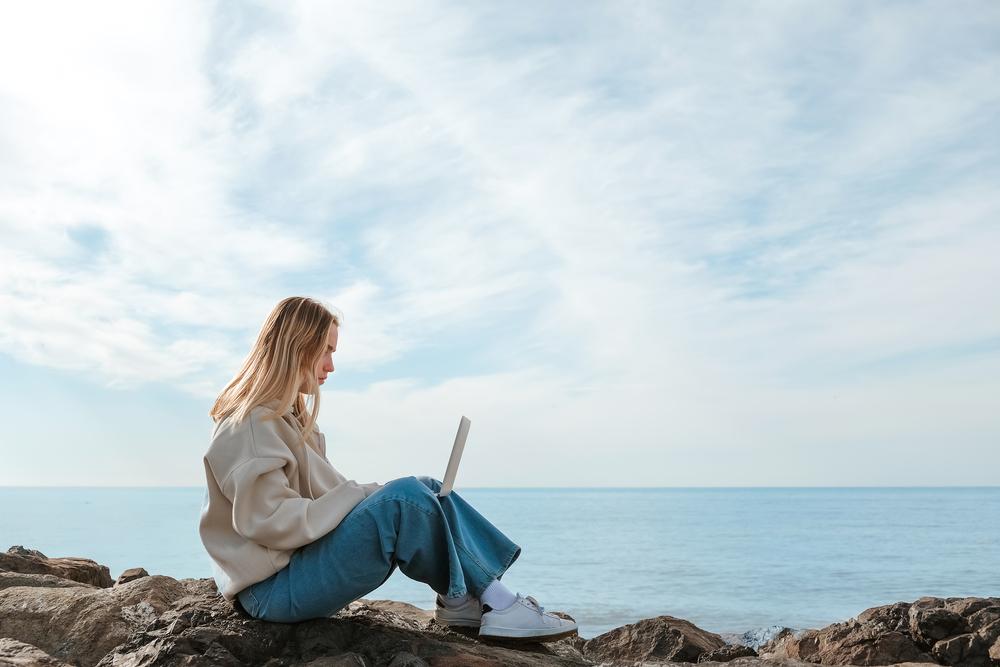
(10, 579)
(30, 561)
(83, 623)
(202, 628)
(947, 631)
(659, 638)
(876, 636)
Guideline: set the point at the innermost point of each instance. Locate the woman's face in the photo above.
(324, 365)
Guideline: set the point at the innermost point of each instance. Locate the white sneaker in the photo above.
(464, 616)
(524, 621)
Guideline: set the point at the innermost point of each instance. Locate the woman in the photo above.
(292, 539)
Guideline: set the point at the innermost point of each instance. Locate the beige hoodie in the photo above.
(267, 496)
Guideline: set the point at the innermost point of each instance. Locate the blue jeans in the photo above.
(442, 542)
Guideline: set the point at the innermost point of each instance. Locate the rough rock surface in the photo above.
(727, 653)
(29, 561)
(84, 623)
(14, 653)
(8, 579)
(131, 574)
(151, 620)
(659, 638)
(949, 631)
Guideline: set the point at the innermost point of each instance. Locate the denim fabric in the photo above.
(443, 542)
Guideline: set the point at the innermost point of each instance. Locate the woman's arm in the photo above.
(269, 512)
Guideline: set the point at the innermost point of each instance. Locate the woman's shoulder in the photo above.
(258, 431)
(253, 437)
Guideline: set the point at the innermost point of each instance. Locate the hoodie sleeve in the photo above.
(269, 512)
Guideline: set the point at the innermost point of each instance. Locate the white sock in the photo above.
(497, 595)
(452, 603)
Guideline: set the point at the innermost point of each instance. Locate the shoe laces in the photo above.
(534, 602)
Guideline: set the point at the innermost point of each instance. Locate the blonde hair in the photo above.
(291, 341)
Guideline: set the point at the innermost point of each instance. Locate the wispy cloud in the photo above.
(708, 230)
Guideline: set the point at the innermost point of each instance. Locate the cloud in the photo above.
(661, 226)
(117, 228)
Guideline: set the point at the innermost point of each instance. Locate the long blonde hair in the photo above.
(289, 344)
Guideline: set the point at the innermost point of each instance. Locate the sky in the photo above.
(637, 244)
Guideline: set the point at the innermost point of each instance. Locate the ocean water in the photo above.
(728, 560)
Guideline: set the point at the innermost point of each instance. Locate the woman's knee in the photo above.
(431, 483)
(411, 486)
(411, 493)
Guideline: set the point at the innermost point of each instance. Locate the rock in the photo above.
(727, 653)
(967, 606)
(405, 659)
(398, 613)
(361, 635)
(928, 602)
(984, 617)
(29, 561)
(989, 633)
(83, 623)
(345, 660)
(872, 638)
(662, 637)
(131, 574)
(18, 654)
(929, 625)
(736, 662)
(887, 618)
(25, 552)
(949, 631)
(967, 650)
(9, 579)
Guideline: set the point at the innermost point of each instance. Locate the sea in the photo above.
(730, 560)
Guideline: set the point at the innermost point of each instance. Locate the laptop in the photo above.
(456, 456)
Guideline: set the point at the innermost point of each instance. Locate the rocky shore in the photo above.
(68, 611)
